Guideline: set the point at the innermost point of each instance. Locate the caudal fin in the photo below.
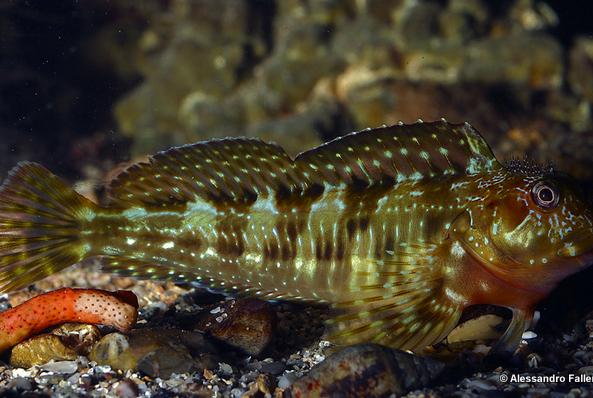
(40, 226)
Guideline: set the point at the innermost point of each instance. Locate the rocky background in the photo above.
(87, 86)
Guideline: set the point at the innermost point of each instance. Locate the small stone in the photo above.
(286, 380)
(264, 384)
(208, 375)
(155, 352)
(110, 349)
(79, 337)
(39, 350)
(273, 368)
(165, 361)
(497, 60)
(534, 360)
(225, 368)
(247, 324)
(20, 383)
(63, 367)
(368, 370)
(588, 370)
(127, 389)
(580, 75)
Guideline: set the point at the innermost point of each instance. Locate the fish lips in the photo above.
(580, 250)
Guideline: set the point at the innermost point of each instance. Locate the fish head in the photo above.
(532, 226)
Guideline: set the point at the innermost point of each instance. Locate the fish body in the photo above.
(398, 228)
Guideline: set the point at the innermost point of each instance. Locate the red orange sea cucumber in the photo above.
(117, 309)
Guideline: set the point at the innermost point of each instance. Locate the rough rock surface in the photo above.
(245, 324)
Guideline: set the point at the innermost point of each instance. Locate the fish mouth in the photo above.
(513, 273)
(579, 250)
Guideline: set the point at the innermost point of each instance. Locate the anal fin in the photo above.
(136, 268)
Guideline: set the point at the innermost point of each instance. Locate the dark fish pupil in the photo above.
(546, 195)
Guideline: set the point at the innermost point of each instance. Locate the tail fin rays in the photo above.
(40, 224)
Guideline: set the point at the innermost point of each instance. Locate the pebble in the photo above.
(127, 389)
(39, 350)
(79, 337)
(286, 380)
(247, 324)
(65, 367)
(156, 352)
(273, 368)
(20, 383)
(225, 368)
(65, 342)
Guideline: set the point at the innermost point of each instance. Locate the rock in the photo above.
(502, 60)
(155, 352)
(416, 23)
(127, 389)
(569, 109)
(39, 350)
(439, 63)
(20, 384)
(580, 73)
(263, 385)
(247, 324)
(201, 52)
(367, 370)
(165, 361)
(463, 20)
(286, 380)
(79, 337)
(62, 367)
(273, 368)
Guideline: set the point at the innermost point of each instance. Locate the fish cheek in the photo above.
(511, 212)
(508, 230)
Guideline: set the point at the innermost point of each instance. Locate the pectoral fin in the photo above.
(407, 310)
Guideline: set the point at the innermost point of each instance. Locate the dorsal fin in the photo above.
(222, 171)
(236, 171)
(399, 152)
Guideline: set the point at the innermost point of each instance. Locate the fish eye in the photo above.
(545, 195)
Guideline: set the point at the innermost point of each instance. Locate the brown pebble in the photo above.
(246, 324)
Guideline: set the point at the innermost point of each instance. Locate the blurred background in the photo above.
(86, 85)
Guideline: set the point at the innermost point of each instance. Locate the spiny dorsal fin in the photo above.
(231, 170)
(237, 170)
(399, 152)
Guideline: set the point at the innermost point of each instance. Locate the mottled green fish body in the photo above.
(381, 224)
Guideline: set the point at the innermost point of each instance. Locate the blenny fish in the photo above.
(398, 229)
